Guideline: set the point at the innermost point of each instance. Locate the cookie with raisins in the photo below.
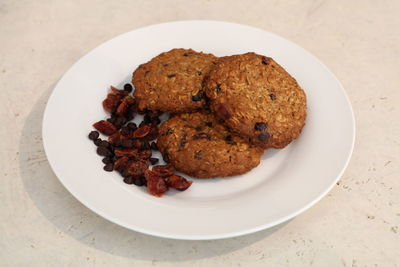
(172, 81)
(257, 99)
(199, 145)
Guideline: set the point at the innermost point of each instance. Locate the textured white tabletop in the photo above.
(356, 224)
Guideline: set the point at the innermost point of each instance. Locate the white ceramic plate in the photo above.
(286, 183)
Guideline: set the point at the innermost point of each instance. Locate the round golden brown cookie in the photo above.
(200, 146)
(257, 99)
(172, 81)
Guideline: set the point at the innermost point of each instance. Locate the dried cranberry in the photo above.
(164, 170)
(141, 132)
(137, 168)
(105, 127)
(123, 107)
(155, 183)
(131, 152)
(144, 154)
(121, 163)
(178, 182)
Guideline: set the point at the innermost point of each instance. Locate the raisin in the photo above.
(197, 155)
(109, 167)
(166, 156)
(153, 161)
(107, 160)
(198, 97)
(229, 140)
(105, 144)
(272, 96)
(132, 126)
(130, 113)
(103, 151)
(153, 146)
(218, 89)
(97, 142)
(112, 119)
(265, 60)
(126, 131)
(143, 123)
(260, 126)
(145, 146)
(183, 141)
(263, 137)
(119, 121)
(201, 136)
(155, 120)
(128, 88)
(105, 127)
(171, 76)
(129, 180)
(209, 124)
(138, 182)
(144, 181)
(93, 135)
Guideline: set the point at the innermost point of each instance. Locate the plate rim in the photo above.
(211, 236)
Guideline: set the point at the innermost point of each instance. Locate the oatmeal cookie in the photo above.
(199, 145)
(172, 81)
(257, 99)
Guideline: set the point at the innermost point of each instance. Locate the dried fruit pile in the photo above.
(128, 149)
